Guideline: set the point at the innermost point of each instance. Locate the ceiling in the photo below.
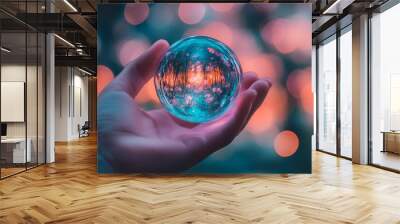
(75, 22)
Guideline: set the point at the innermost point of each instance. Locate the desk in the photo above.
(15, 148)
(391, 141)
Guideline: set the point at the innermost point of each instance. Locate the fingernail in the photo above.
(161, 41)
(267, 82)
(262, 84)
(252, 92)
(250, 73)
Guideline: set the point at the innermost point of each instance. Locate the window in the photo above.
(385, 89)
(327, 96)
(346, 93)
(22, 77)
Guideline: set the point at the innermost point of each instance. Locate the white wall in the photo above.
(71, 94)
(61, 103)
(33, 127)
(80, 103)
(12, 73)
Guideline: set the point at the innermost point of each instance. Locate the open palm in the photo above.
(134, 140)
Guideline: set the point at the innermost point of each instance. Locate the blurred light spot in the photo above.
(216, 30)
(148, 94)
(299, 86)
(296, 80)
(222, 7)
(131, 49)
(288, 35)
(191, 13)
(104, 76)
(286, 143)
(253, 58)
(272, 112)
(265, 65)
(276, 33)
(243, 36)
(305, 36)
(136, 13)
(307, 101)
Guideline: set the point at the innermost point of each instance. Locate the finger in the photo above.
(248, 79)
(136, 74)
(146, 64)
(262, 87)
(221, 132)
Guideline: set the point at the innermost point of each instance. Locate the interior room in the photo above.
(22, 102)
(385, 123)
(52, 78)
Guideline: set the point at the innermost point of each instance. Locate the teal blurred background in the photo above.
(271, 39)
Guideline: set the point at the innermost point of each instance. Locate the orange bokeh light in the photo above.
(191, 13)
(130, 50)
(104, 76)
(272, 112)
(136, 13)
(148, 94)
(222, 7)
(286, 143)
(264, 65)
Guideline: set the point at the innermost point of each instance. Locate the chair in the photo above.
(84, 130)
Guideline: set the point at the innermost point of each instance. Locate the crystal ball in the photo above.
(198, 79)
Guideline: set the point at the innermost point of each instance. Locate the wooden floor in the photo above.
(70, 191)
(5, 172)
(387, 159)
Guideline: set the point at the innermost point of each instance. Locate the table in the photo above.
(391, 141)
(13, 150)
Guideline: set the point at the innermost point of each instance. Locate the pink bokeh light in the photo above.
(253, 58)
(222, 7)
(191, 13)
(131, 49)
(288, 35)
(104, 77)
(250, 56)
(136, 13)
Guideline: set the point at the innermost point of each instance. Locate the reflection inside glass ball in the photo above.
(198, 79)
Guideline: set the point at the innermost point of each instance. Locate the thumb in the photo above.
(136, 74)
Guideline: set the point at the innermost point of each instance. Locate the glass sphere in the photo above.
(198, 79)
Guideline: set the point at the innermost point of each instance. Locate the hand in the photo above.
(134, 140)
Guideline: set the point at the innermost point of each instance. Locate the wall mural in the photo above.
(214, 88)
